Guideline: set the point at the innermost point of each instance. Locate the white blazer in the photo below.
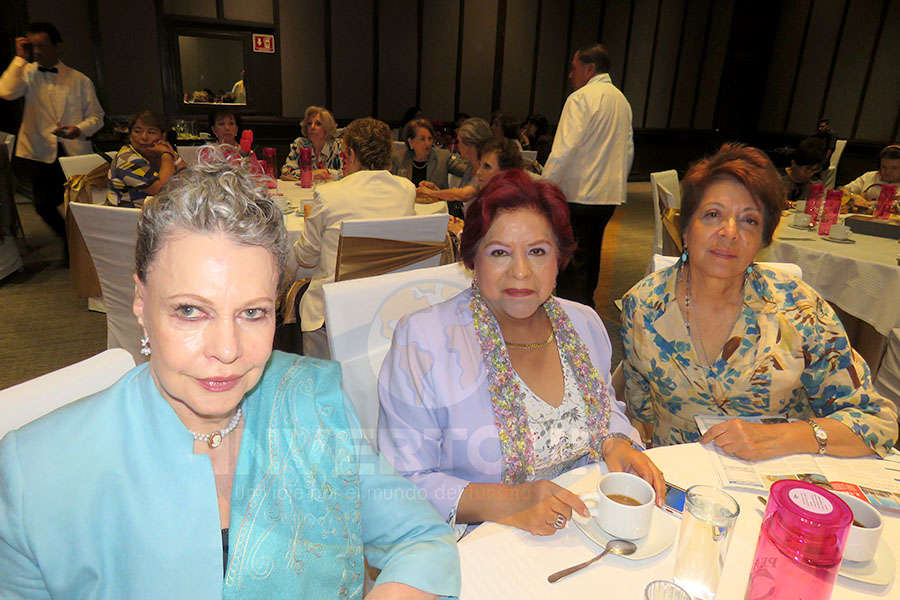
(66, 98)
(362, 195)
(593, 148)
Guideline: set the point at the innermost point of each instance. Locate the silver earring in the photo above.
(145, 345)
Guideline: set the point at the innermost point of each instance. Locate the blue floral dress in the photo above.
(787, 354)
(327, 158)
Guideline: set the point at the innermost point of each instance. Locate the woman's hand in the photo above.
(288, 177)
(159, 148)
(537, 506)
(620, 455)
(428, 185)
(321, 174)
(757, 441)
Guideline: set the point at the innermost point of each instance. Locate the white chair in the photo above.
(660, 262)
(887, 382)
(8, 140)
(84, 163)
(529, 156)
(399, 146)
(433, 208)
(23, 403)
(664, 186)
(110, 234)
(419, 228)
(360, 317)
(839, 146)
(188, 154)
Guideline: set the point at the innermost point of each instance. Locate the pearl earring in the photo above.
(145, 345)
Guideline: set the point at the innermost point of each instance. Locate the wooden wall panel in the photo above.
(812, 76)
(785, 56)
(552, 59)
(518, 57)
(615, 37)
(302, 42)
(585, 23)
(258, 11)
(708, 90)
(440, 21)
(879, 117)
(854, 49)
(665, 60)
(397, 56)
(352, 61)
(72, 20)
(479, 42)
(192, 8)
(689, 64)
(637, 69)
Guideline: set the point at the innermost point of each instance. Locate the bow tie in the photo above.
(48, 69)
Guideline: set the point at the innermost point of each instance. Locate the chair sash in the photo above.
(85, 282)
(359, 257)
(671, 242)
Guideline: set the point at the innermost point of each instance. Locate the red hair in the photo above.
(510, 190)
(748, 166)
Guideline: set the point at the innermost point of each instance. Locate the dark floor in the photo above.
(44, 326)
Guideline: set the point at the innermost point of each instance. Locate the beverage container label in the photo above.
(811, 501)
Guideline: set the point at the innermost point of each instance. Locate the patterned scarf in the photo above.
(510, 414)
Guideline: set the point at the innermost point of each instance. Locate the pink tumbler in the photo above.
(800, 543)
(305, 167)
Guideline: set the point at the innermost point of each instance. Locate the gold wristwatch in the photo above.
(820, 434)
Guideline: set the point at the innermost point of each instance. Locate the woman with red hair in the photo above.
(718, 334)
(489, 395)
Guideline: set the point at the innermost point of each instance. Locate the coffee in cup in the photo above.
(624, 505)
(802, 220)
(865, 532)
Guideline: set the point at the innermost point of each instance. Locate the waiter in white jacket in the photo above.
(590, 160)
(61, 112)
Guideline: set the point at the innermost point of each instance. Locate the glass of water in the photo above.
(706, 527)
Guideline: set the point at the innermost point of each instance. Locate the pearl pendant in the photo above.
(215, 440)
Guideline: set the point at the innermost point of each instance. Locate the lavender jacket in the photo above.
(436, 423)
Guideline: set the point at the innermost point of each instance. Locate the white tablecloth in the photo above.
(862, 278)
(520, 567)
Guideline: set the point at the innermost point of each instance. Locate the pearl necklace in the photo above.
(214, 439)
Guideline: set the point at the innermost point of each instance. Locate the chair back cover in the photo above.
(81, 164)
(23, 403)
(8, 140)
(529, 156)
(887, 382)
(10, 260)
(360, 317)
(671, 195)
(110, 233)
(660, 262)
(369, 247)
(839, 146)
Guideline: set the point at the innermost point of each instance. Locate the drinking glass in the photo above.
(664, 590)
(706, 527)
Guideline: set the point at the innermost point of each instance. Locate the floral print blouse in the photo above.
(787, 354)
(328, 158)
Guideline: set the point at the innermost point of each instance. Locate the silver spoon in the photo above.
(620, 547)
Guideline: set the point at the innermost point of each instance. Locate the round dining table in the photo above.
(503, 562)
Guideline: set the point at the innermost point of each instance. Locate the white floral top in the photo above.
(560, 434)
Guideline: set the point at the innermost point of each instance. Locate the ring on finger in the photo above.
(560, 522)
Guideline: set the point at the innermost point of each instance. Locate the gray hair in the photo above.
(475, 132)
(217, 195)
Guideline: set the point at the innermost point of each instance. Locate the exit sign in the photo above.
(263, 42)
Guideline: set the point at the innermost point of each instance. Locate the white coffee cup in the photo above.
(862, 542)
(802, 220)
(625, 521)
(800, 205)
(840, 232)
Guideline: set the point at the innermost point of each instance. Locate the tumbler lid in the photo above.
(807, 521)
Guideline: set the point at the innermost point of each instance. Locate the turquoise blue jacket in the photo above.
(105, 498)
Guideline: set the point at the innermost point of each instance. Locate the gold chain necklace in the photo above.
(531, 346)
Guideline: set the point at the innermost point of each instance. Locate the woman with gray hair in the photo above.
(471, 136)
(220, 468)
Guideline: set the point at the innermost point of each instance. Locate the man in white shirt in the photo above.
(61, 112)
(367, 191)
(869, 184)
(590, 160)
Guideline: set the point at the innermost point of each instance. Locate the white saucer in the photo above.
(801, 227)
(662, 534)
(837, 241)
(878, 571)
